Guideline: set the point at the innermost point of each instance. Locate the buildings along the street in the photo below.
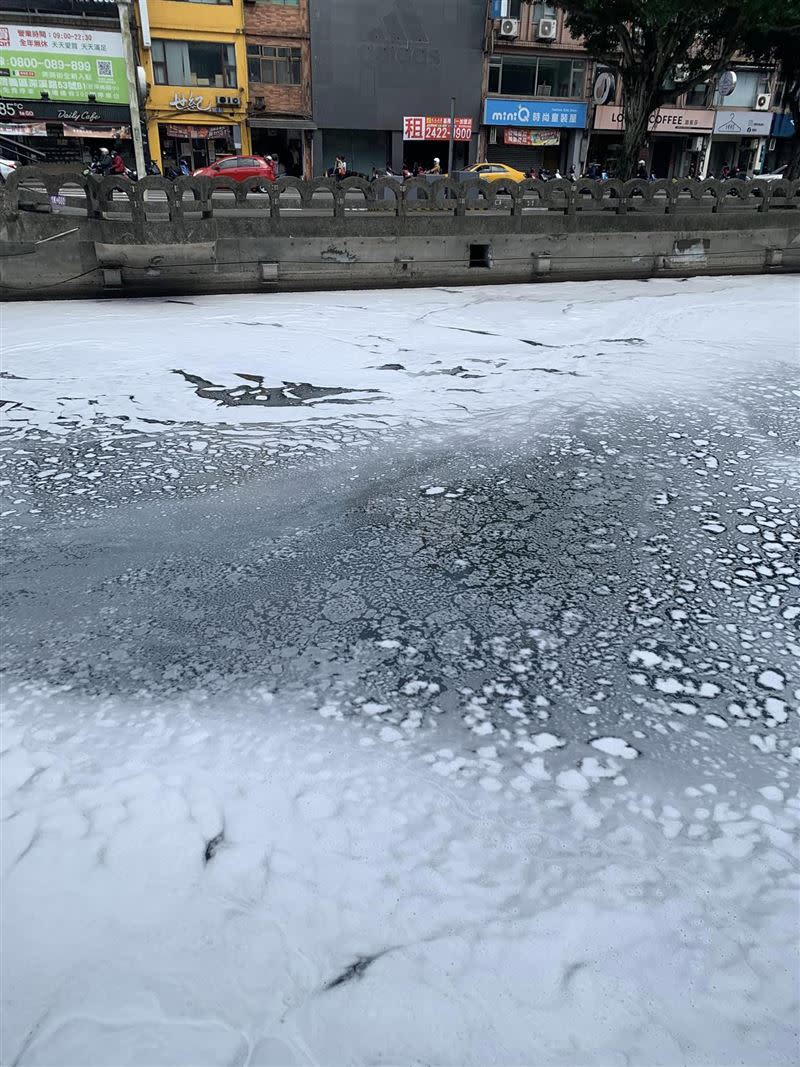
(370, 80)
(196, 70)
(64, 89)
(384, 73)
(279, 73)
(535, 107)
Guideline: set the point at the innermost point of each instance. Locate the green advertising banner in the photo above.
(63, 62)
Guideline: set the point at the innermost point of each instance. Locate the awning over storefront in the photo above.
(783, 125)
(274, 122)
(107, 133)
(23, 129)
(202, 133)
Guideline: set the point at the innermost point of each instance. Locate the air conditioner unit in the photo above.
(509, 27)
(546, 30)
(763, 100)
(493, 135)
(751, 144)
(227, 101)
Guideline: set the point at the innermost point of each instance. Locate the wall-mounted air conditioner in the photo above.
(509, 27)
(227, 101)
(763, 100)
(546, 30)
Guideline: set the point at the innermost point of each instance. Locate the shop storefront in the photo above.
(39, 131)
(677, 140)
(781, 145)
(426, 138)
(538, 133)
(286, 139)
(195, 127)
(63, 94)
(739, 141)
(199, 145)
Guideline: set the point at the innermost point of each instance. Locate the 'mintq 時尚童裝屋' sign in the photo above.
(506, 111)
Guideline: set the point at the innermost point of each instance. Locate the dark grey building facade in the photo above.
(375, 62)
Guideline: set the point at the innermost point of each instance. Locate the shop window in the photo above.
(543, 11)
(539, 77)
(201, 63)
(519, 77)
(747, 88)
(495, 66)
(560, 77)
(696, 97)
(503, 9)
(273, 65)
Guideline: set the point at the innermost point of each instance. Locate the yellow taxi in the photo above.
(495, 172)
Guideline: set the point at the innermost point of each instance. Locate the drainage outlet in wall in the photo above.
(480, 256)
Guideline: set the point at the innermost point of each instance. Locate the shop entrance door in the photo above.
(285, 146)
(200, 146)
(661, 156)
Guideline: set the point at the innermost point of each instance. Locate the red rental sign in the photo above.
(436, 128)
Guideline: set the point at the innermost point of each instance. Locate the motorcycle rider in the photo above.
(103, 164)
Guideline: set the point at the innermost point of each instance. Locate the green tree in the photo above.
(659, 49)
(778, 44)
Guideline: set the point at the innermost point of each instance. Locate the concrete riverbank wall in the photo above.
(64, 235)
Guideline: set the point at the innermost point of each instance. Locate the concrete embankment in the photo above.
(63, 235)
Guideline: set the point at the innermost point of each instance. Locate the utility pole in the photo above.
(130, 67)
(452, 135)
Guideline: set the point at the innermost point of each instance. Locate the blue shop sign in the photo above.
(505, 111)
(783, 125)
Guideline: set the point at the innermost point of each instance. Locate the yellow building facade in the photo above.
(196, 70)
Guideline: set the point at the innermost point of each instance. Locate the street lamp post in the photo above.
(130, 69)
(452, 135)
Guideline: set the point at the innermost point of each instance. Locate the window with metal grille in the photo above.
(274, 65)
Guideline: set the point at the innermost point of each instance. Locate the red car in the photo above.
(239, 168)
